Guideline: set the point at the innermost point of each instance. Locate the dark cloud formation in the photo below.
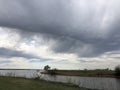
(9, 53)
(86, 28)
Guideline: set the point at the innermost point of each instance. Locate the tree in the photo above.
(46, 68)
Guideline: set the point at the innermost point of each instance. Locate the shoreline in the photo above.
(62, 74)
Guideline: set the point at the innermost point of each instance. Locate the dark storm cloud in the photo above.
(86, 28)
(9, 53)
(53, 17)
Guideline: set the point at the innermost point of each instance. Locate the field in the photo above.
(12, 83)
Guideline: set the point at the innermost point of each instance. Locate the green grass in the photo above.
(9, 83)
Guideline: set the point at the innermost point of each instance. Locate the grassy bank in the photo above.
(92, 73)
(87, 72)
(9, 83)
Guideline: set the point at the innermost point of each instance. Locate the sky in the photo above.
(64, 34)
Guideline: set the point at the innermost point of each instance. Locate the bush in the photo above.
(117, 70)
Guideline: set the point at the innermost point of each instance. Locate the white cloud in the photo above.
(9, 39)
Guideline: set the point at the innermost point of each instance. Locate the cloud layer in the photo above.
(8, 53)
(81, 27)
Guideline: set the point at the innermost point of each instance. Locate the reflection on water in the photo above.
(88, 82)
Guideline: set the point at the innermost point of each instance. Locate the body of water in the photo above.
(100, 83)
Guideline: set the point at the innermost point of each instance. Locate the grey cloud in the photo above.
(40, 60)
(9, 53)
(88, 29)
(53, 17)
(63, 62)
(89, 61)
(5, 62)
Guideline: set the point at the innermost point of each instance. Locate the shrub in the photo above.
(117, 70)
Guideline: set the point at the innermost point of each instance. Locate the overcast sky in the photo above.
(65, 34)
